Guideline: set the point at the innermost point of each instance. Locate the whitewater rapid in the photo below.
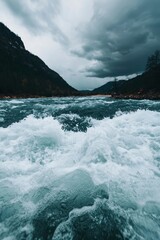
(79, 174)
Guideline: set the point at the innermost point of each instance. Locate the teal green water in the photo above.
(79, 169)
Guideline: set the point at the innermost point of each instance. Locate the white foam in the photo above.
(122, 152)
(16, 101)
(123, 149)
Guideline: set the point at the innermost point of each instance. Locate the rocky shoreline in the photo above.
(116, 96)
(155, 96)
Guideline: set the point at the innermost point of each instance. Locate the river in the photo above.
(79, 169)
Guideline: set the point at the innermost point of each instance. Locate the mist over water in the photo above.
(79, 169)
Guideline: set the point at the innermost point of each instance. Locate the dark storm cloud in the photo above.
(38, 16)
(120, 43)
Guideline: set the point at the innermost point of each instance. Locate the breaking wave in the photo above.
(100, 182)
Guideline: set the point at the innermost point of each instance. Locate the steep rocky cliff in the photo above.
(24, 74)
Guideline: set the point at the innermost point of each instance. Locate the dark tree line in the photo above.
(153, 61)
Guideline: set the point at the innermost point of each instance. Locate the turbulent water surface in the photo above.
(79, 169)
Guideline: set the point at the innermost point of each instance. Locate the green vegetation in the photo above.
(153, 61)
(146, 85)
(23, 74)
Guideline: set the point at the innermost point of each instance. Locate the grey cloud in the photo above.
(21, 11)
(38, 16)
(122, 42)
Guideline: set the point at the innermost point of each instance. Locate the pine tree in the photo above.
(153, 60)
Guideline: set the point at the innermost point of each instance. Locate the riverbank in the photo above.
(155, 96)
(116, 96)
(33, 96)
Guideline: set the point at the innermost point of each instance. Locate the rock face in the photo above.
(143, 86)
(24, 74)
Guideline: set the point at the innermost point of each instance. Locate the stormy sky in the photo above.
(88, 42)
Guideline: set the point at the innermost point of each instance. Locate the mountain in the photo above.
(146, 85)
(108, 88)
(24, 74)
